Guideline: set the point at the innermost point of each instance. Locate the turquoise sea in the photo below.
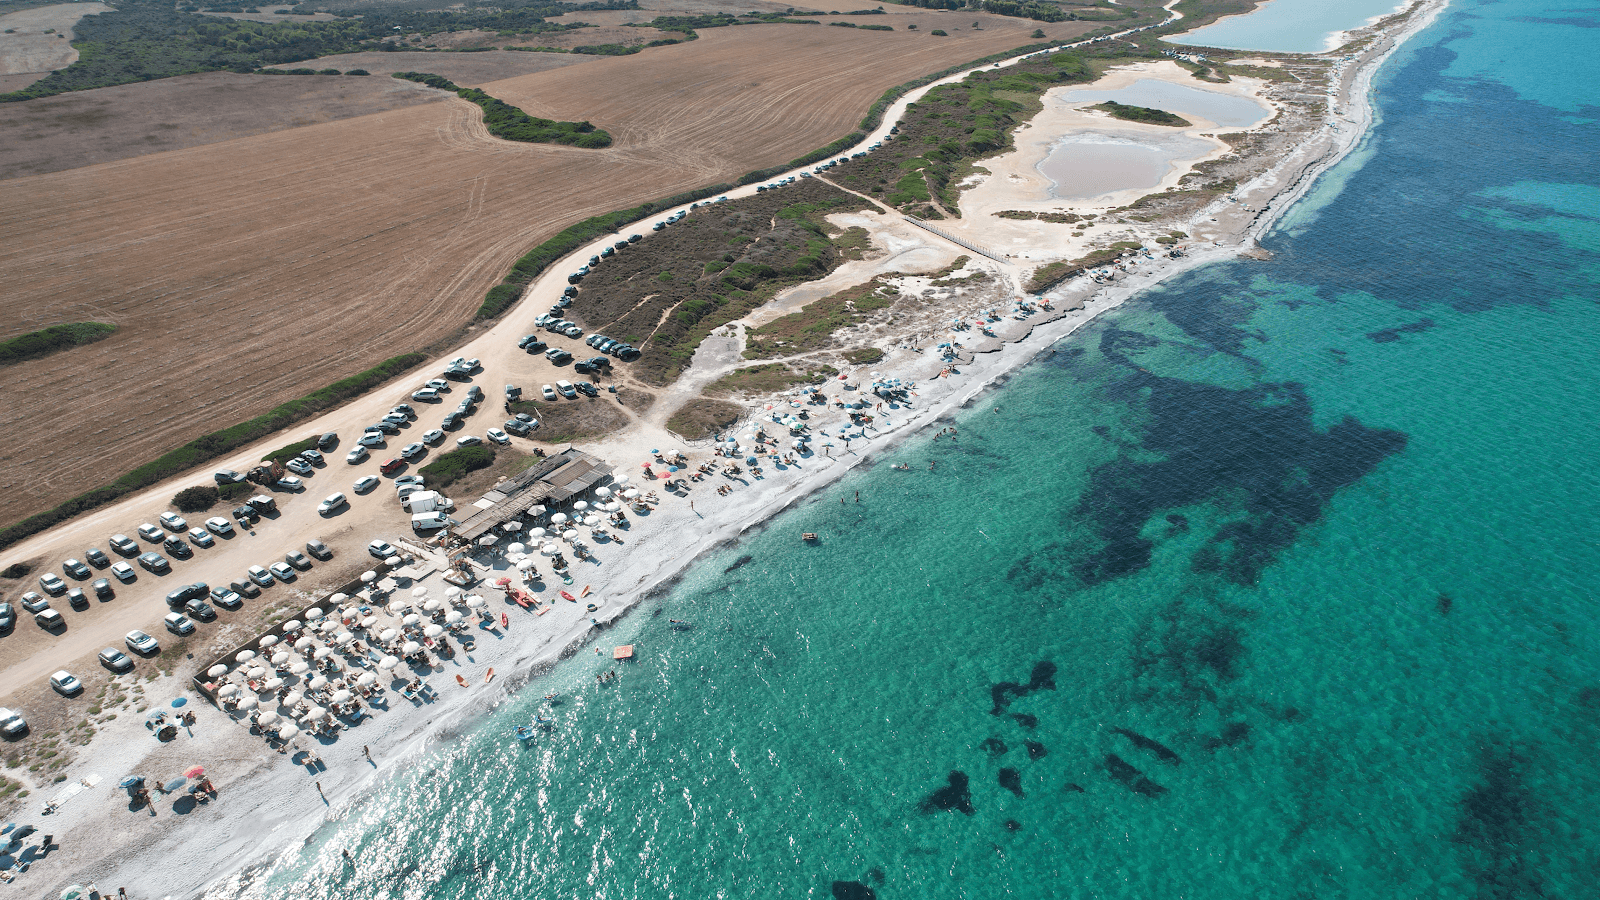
(1277, 582)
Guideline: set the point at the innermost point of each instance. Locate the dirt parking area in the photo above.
(252, 271)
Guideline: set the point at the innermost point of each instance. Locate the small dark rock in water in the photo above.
(994, 747)
(1143, 743)
(1025, 720)
(1070, 788)
(852, 890)
(1011, 780)
(1444, 603)
(1290, 714)
(1013, 825)
(739, 563)
(953, 796)
(1132, 778)
(1036, 750)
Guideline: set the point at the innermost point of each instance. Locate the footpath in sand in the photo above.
(267, 804)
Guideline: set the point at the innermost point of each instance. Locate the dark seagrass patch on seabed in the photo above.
(993, 746)
(953, 796)
(1390, 335)
(1132, 778)
(1043, 677)
(852, 890)
(1500, 840)
(1011, 780)
(1161, 752)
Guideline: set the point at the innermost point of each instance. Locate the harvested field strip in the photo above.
(251, 271)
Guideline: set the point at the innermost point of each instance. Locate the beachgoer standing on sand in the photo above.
(366, 752)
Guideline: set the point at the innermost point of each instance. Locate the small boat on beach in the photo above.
(568, 596)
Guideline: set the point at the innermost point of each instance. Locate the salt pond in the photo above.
(1289, 26)
(1215, 107)
(1090, 164)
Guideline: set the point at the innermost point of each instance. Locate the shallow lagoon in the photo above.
(1222, 109)
(1289, 26)
(1092, 164)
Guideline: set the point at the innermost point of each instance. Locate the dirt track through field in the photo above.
(248, 272)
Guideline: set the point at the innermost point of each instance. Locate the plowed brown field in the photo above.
(248, 272)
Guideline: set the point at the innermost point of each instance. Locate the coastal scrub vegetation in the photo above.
(768, 378)
(703, 418)
(1101, 11)
(1047, 276)
(210, 446)
(450, 467)
(195, 499)
(1142, 114)
(572, 420)
(509, 123)
(143, 40)
(813, 326)
(45, 341)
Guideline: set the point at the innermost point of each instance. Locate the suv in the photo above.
(76, 569)
(52, 584)
(97, 557)
(246, 513)
(328, 441)
(392, 466)
(12, 723)
(566, 389)
(199, 609)
(587, 389)
(8, 618)
(178, 623)
(318, 549)
(382, 549)
(177, 547)
(103, 589)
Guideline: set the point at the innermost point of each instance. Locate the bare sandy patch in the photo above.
(38, 41)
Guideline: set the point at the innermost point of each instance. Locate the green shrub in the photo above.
(235, 490)
(16, 570)
(509, 123)
(358, 72)
(196, 499)
(45, 341)
(286, 453)
(328, 72)
(451, 467)
(939, 31)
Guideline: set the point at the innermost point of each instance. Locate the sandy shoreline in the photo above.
(266, 805)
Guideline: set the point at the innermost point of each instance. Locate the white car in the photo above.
(367, 483)
(357, 454)
(260, 576)
(333, 502)
(548, 392)
(219, 526)
(438, 384)
(566, 389)
(498, 436)
(173, 522)
(290, 483)
(468, 440)
(201, 537)
(124, 572)
(426, 394)
(66, 683)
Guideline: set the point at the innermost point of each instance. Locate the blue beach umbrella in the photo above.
(131, 781)
(180, 701)
(175, 783)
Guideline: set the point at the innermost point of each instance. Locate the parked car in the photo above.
(328, 441)
(34, 602)
(367, 483)
(439, 384)
(49, 620)
(333, 502)
(246, 513)
(412, 451)
(11, 723)
(567, 390)
(313, 456)
(391, 466)
(548, 392)
(226, 599)
(227, 476)
(290, 483)
(155, 562)
(468, 440)
(124, 545)
(124, 572)
(282, 572)
(425, 395)
(451, 422)
(152, 533)
(102, 588)
(498, 436)
(298, 560)
(517, 427)
(318, 549)
(77, 599)
(259, 576)
(176, 599)
(141, 643)
(173, 522)
(65, 683)
(299, 466)
(404, 409)
(386, 426)
(219, 526)
(382, 549)
(115, 660)
(177, 547)
(408, 479)
(370, 439)
(52, 584)
(8, 618)
(97, 557)
(587, 389)
(536, 346)
(561, 358)
(245, 587)
(76, 569)
(178, 623)
(201, 537)
(199, 609)
(432, 436)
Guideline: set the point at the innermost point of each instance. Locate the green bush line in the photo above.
(208, 447)
(452, 466)
(1142, 114)
(509, 123)
(45, 341)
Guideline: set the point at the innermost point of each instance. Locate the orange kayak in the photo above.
(569, 596)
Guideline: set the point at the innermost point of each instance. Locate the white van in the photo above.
(430, 521)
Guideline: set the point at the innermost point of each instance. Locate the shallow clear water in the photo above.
(1278, 582)
(1221, 109)
(1090, 164)
(1289, 26)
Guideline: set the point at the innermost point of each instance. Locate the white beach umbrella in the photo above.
(317, 683)
(549, 550)
(256, 672)
(227, 690)
(292, 698)
(329, 626)
(581, 505)
(452, 617)
(291, 625)
(300, 667)
(369, 577)
(217, 671)
(387, 635)
(314, 713)
(392, 561)
(433, 630)
(537, 533)
(487, 540)
(388, 662)
(266, 718)
(303, 643)
(281, 657)
(621, 479)
(517, 548)
(412, 619)
(602, 492)
(591, 521)
(571, 534)
(340, 696)
(322, 653)
(337, 599)
(343, 637)
(477, 602)
(248, 703)
(452, 591)
(631, 493)
(526, 564)
(432, 606)
(613, 506)
(369, 621)
(288, 732)
(269, 641)
(272, 684)
(244, 656)
(419, 591)
(397, 607)
(409, 647)
(314, 613)
(368, 679)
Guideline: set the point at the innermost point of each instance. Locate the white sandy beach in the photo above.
(268, 803)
